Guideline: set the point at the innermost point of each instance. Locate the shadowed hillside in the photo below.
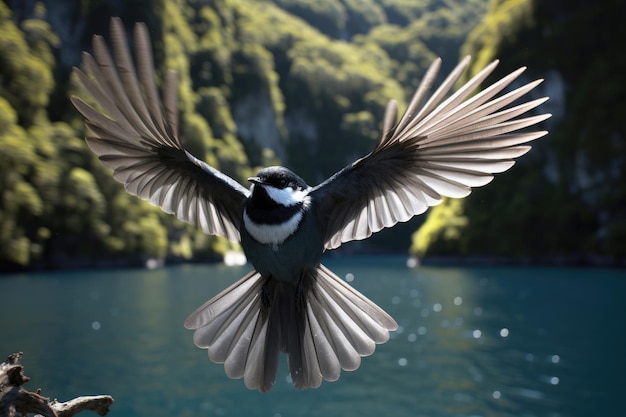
(565, 200)
(304, 84)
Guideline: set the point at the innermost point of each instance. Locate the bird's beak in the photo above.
(255, 180)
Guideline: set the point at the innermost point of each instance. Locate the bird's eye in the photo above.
(282, 183)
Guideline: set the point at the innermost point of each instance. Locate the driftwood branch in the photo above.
(15, 401)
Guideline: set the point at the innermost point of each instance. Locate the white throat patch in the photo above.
(286, 196)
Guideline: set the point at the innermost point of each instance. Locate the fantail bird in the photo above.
(441, 146)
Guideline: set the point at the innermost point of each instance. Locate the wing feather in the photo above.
(443, 145)
(135, 135)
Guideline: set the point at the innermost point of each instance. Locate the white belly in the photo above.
(272, 233)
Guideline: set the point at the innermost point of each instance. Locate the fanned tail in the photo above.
(232, 326)
(322, 323)
(339, 325)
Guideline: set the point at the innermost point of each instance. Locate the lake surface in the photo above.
(482, 341)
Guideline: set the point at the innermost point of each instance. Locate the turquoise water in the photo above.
(472, 342)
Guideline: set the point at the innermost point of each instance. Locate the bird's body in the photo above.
(285, 261)
(273, 220)
(441, 146)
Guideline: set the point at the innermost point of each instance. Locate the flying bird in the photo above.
(445, 143)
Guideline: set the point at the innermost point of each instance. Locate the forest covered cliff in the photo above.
(566, 199)
(304, 84)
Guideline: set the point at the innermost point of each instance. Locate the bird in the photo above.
(447, 142)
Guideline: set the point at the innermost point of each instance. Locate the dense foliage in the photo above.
(304, 83)
(566, 199)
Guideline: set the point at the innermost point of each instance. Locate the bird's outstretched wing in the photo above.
(442, 146)
(136, 137)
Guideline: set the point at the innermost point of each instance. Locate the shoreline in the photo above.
(556, 261)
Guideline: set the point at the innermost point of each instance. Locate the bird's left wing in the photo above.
(136, 137)
(442, 146)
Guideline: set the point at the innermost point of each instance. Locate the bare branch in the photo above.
(16, 401)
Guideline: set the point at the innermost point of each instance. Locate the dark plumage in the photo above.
(442, 146)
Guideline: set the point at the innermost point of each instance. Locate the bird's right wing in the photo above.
(137, 138)
(443, 146)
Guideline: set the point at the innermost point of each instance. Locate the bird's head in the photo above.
(280, 184)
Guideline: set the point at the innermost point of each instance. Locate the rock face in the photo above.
(255, 118)
(566, 200)
(312, 91)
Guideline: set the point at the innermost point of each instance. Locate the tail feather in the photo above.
(236, 359)
(261, 364)
(373, 317)
(358, 320)
(227, 300)
(236, 328)
(360, 339)
(323, 324)
(329, 364)
(309, 375)
(334, 330)
(233, 326)
(220, 321)
(349, 323)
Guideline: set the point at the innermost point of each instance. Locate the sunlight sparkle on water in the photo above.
(461, 361)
